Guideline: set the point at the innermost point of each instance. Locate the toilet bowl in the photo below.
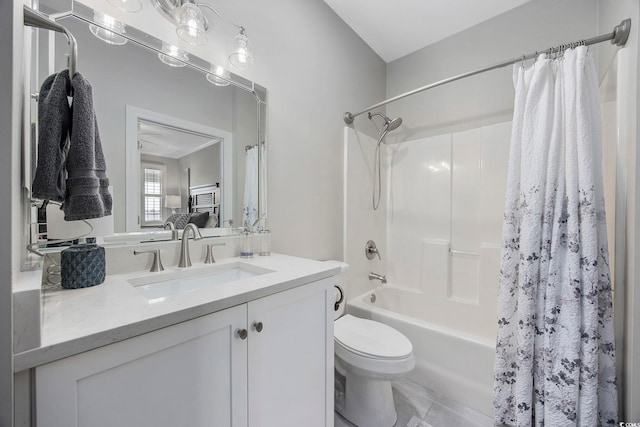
(368, 355)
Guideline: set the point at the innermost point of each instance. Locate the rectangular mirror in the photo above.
(178, 139)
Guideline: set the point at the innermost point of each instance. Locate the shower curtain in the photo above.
(555, 357)
(250, 203)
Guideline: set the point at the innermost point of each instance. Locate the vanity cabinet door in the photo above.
(291, 357)
(190, 374)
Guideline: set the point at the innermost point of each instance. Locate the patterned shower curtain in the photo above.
(555, 357)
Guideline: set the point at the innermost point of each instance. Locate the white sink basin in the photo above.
(157, 287)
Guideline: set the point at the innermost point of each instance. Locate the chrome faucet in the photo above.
(185, 259)
(172, 227)
(375, 276)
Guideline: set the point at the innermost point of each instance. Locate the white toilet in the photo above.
(368, 356)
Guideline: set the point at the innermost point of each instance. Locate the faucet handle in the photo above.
(157, 261)
(370, 250)
(209, 259)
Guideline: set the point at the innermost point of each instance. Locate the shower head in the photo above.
(389, 124)
(393, 124)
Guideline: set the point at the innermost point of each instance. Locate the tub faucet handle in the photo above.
(370, 250)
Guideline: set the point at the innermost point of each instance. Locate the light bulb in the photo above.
(241, 56)
(216, 76)
(173, 56)
(191, 24)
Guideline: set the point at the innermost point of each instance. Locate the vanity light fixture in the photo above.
(191, 26)
(126, 5)
(173, 56)
(108, 29)
(218, 76)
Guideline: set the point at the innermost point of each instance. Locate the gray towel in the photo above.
(87, 193)
(54, 116)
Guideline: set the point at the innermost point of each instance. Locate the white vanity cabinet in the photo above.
(291, 358)
(184, 375)
(203, 372)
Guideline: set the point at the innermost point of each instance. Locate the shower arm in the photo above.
(619, 37)
(36, 19)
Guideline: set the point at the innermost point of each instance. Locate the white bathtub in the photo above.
(449, 363)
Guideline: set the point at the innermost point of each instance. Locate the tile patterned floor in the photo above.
(419, 407)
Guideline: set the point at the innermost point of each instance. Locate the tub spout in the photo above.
(375, 276)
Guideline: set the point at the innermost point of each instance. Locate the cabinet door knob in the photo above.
(257, 326)
(241, 333)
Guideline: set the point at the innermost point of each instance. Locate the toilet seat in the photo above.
(372, 347)
(372, 339)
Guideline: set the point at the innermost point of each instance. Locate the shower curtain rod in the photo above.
(36, 19)
(618, 37)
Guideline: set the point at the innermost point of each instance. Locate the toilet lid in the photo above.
(370, 338)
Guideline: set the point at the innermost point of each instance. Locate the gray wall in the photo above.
(204, 164)
(486, 98)
(315, 69)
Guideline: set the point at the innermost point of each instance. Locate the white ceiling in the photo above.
(395, 28)
(174, 143)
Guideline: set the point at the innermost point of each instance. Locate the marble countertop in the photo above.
(77, 320)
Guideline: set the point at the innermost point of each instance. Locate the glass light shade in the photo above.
(191, 24)
(173, 56)
(126, 5)
(107, 29)
(218, 75)
(241, 56)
